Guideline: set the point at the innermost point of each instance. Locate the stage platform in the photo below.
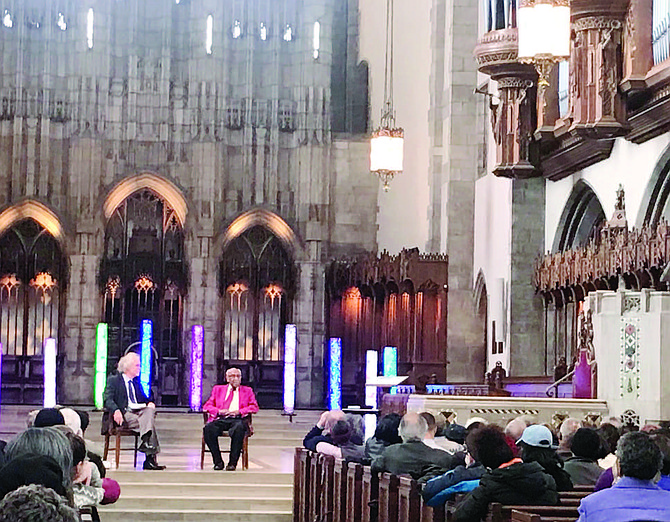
(184, 492)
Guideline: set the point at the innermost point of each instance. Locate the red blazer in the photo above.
(219, 401)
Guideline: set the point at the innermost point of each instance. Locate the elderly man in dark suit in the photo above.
(129, 406)
(413, 456)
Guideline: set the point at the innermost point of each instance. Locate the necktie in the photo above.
(131, 393)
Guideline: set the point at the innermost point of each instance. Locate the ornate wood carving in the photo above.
(597, 108)
(514, 118)
(638, 256)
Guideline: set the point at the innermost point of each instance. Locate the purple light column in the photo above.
(197, 348)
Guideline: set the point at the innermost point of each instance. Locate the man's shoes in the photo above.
(151, 464)
(230, 467)
(219, 466)
(145, 447)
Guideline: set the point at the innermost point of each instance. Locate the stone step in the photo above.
(197, 477)
(109, 514)
(131, 502)
(220, 489)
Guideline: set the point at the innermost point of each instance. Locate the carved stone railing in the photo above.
(638, 256)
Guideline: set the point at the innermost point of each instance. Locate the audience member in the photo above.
(72, 420)
(386, 434)
(515, 427)
(227, 406)
(48, 417)
(461, 479)
(583, 466)
(86, 482)
(32, 469)
(49, 442)
(412, 455)
(634, 496)
(456, 433)
(128, 405)
(36, 503)
(508, 480)
(610, 436)
(342, 447)
(662, 439)
(429, 438)
(565, 433)
(536, 445)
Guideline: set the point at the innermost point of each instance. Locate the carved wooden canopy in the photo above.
(638, 257)
(409, 271)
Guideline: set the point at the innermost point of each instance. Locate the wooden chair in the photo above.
(245, 443)
(109, 430)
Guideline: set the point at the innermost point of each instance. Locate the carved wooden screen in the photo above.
(143, 273)
(32, 274)
(256, 282)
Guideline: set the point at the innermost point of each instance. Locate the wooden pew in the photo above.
(500, 513)
(370, 496)
(301, 480)
(409, 500)
(522, 516)
(388, 498)
(327, 488)
(340, 491)
(354, 497)
(315, 488)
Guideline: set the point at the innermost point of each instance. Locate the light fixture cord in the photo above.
(388, 117)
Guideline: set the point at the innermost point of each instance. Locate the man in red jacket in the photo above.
(227, 406)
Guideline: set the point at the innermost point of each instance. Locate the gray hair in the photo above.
(125, 361)
(36, 502)
(639, 456)
(44, 441)
(568, 428)
(412, 427)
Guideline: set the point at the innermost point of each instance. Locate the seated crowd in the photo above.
(50, 469)
(524, 463)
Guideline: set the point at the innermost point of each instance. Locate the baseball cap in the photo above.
(538, 436)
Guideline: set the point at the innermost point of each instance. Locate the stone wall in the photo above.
(244, 127)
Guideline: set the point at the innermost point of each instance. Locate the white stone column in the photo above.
(631, 332)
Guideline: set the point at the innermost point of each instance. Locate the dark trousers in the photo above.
(236, 429)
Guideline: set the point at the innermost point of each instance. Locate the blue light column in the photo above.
(335, 374)
(145, 356)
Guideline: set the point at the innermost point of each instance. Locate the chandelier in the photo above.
(544, 35)
(386, 145)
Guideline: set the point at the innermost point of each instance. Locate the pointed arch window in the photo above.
(32, 279)
(143, 276)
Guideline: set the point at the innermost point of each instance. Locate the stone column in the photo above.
(631, 338)
(526, 308)
(82, 313)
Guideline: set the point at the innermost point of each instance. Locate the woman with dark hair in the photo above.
(508, 480)
(586, 447)
(385, 435)
(536, 445)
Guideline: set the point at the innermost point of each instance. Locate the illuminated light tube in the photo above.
(371, 365)
(197, 349)
(290, 347)
(145, 356)
(101, 336)
(50, 372)
(391, 364)
(1, 370)
(335, 375)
